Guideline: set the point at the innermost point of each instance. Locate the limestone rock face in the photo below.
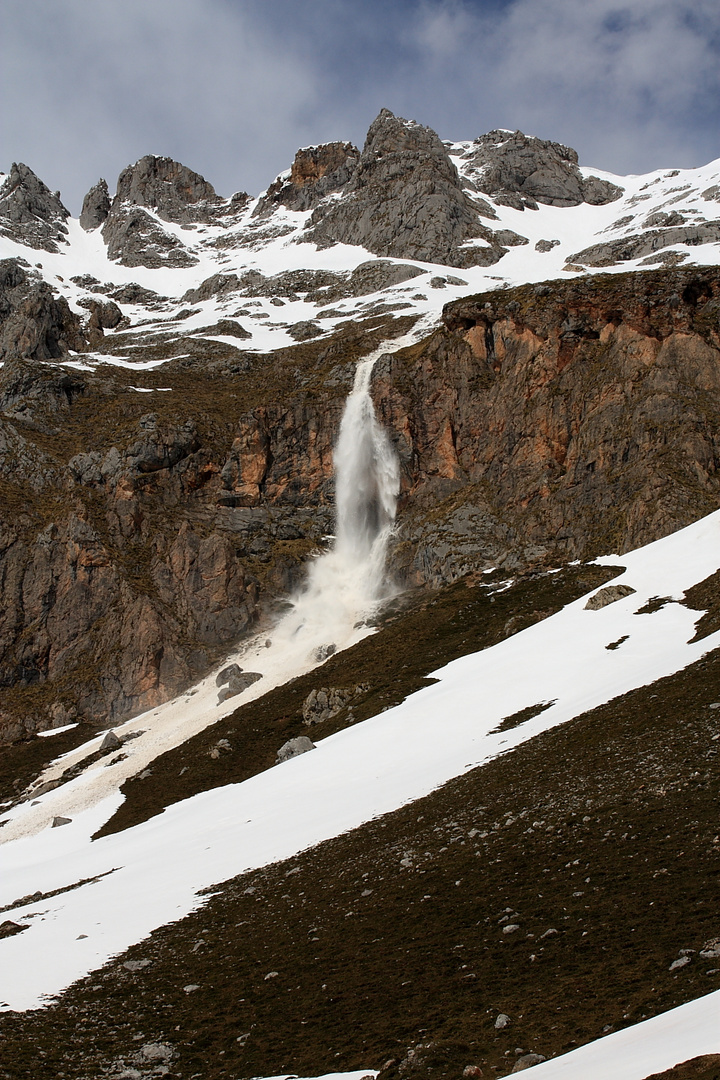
(316, 172)
(95, 207)
(173, 191)
(30, 213)
(542, 421)
(405, 199)
(519, 170)
(34, 324)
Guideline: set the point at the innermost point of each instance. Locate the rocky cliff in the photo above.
(537, 425)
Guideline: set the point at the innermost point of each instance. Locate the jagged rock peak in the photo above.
(166, 186)
(390, 134)
(521, 170)
(405, 200)
(317, 171)
(95, 207)
(30, 213)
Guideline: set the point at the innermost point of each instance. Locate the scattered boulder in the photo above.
(328, 701)
(9, 928)
(110, 741)
(228, 673)
(608, 595)
(324, 651)
(501, 1021)
(544, 246)
(293, 748)
(711, 950)
(527, 1061)
(237, 683)
(59, 820)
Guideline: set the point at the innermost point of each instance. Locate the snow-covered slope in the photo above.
(361, 772)
(663, 218)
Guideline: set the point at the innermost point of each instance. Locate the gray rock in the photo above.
(173, 191)
(59, 820)
(134, 238)
(304, 331)
(30, 213)
(680, 962)
(325, 702)
(34, 324)
(157, 1051)
(316, 172)
(238, 683)
(293, 748)
(110, 741)
(136, 965)
(608, 595)
(546, 245)
(711, 949)
(228, 673)
(501, 1021)
(406, 200)
(519, 170)
(527, 1061)
(640, 244)
(95, 207)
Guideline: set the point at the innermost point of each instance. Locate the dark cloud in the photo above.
(233, 87)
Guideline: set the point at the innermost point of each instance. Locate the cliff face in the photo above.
(538, 425)
(558, 421)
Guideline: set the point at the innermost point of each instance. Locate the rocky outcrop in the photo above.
(172, 193)
(405, 200)
(557, 421)
(34, 324)
(520, 171)
(95, 207)
(316, 172)
(647, 243)
(134, 238)
(30, 213)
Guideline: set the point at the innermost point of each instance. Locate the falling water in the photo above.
(346, 583)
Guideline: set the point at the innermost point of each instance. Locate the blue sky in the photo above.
(233, 87)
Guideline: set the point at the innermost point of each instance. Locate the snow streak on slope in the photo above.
(369, 769)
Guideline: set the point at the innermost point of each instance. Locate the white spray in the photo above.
(346, 583)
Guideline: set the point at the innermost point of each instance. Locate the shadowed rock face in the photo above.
(405, 199)
(95, 207)
(30, 213)
(34, 325)
(519, 170)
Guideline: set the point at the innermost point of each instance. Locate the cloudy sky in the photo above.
(233, 87)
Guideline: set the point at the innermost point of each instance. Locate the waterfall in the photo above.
(346, 583)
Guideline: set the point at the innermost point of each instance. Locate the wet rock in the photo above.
(95, 207)
(293, 748)
(608, 595)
